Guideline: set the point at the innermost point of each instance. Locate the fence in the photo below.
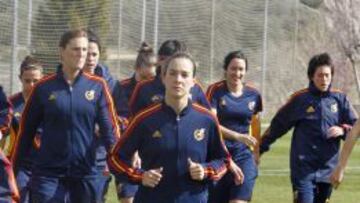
(278, 36)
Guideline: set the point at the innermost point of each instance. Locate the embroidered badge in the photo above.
(199, 134)
(334, 108)
(310, 109)
(52, 97)
(90, 95)
(251, 105)
(156, 98)
(156, 134)
(17, 114)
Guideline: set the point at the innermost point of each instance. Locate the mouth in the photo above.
(236, 79)
(177, 88)
(90, 64)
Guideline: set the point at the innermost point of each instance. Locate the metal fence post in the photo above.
(156, 22)
(13, 74)
(143, 22)
(29, 25)
(264, 59)
(212, 38)
(119, 34)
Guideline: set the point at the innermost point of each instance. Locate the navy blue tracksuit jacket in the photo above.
(103, 72)
(68, 114)
(311, 113)
(164, 139)
(127, 87)
(18, 102)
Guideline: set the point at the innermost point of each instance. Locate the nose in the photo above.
(178, 78)
(324, 78)
(89, 57)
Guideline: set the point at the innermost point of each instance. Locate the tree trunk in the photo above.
(357, 75)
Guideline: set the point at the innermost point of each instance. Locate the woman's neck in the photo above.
(25, 95)
(70, 74)
(177, 104)
(235, 89)
(89, 70)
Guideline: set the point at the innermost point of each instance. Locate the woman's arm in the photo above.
(338, 174)
(235, 136)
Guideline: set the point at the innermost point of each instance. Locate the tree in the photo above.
(54, 17)
(344, 18)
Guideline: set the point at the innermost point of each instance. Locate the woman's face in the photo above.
(92, 58)
(322, 78)
(29, 78)
(179, 78)
(235, 71)
(73, 56)
(147, 72)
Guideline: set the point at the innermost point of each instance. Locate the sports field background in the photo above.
(273, 184)
(278, 37)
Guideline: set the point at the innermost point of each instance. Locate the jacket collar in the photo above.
(60, 74)
(171, 111)
(314, 90)
(102, 71)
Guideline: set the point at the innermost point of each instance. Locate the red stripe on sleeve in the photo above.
(115, 161)
(24, 115)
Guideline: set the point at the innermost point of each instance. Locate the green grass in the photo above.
(273, 184)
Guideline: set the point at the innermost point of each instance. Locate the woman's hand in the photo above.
(246, 139)
(197, 171)
(335, 131)
(337, 176)
(237, 172)
(151, 178)
(136, 161)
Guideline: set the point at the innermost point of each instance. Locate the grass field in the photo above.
(273, 183)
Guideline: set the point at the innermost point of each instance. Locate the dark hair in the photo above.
(170, 47)
(92, 37)
(235, 54)
(71, 34)
(316, 61)
(146, 56)
(183, 55)
(30, 63)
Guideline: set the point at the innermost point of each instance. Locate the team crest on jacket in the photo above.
(90, 95)
(222, 102)
(334, 108)
(156, 134)
(52, 97)
(156, 98)
(199, 134)
(251, 105)
(310, 109)
(17, 114)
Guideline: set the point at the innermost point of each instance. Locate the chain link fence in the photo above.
(278, 36)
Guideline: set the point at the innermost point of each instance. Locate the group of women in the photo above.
(178, 144)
